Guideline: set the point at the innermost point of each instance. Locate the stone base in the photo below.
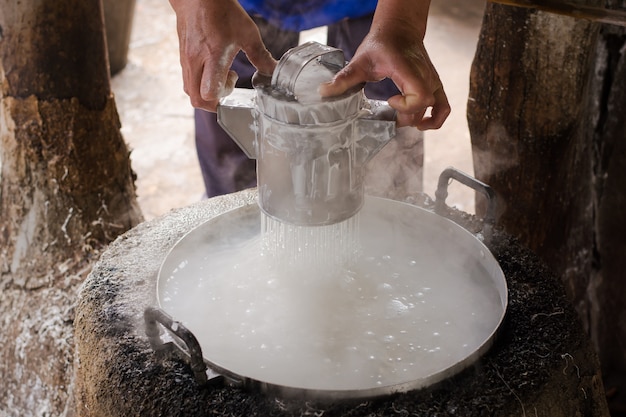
(541, 364)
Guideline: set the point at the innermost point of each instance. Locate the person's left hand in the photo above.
(399, 54)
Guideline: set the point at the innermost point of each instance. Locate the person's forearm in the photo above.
(217, 8)
(178, 5)
(409, 12)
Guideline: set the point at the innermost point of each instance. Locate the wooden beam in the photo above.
(578, 11)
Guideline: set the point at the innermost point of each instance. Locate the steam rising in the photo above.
(381, 311)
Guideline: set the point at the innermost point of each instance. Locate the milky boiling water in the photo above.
(391, 303)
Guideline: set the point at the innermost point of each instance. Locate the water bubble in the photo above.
(347, 281)
(396, 308)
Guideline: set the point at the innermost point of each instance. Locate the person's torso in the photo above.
(298, 15)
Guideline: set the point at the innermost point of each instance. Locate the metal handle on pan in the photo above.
(442, 193)
(154, 316)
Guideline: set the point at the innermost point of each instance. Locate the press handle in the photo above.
(153, 316)
(441, 194)
(295, 60)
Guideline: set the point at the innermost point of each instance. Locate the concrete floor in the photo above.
(157, 119)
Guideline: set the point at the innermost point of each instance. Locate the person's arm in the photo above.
(211, 33)
(394, 48)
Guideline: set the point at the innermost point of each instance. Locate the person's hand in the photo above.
(394, 49)
(211, 33)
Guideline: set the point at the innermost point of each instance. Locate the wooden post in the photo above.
(606, 132)
(546, 105)
(66, 188)
(525, 111)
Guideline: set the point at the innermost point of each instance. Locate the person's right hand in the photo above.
(211, 33)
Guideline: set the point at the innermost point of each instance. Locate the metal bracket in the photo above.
(192, 352)
(441, 194)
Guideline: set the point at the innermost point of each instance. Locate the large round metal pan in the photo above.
(382, 222)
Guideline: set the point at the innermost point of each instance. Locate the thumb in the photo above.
(215, 75)
(345, 79)
(260, 57)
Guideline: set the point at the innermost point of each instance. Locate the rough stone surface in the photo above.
(541, 363)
